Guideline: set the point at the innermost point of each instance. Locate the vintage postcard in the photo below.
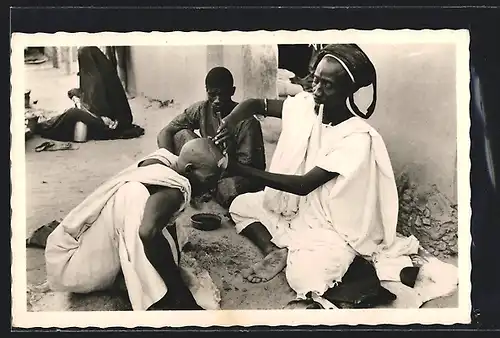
(240, 178)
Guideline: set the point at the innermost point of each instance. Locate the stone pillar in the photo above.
(260, 71)
(65, 59)
(55, 57)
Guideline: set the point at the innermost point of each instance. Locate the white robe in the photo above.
(355, 213)
(101, 236)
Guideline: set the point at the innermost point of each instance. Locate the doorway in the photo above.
(35, 55)
(295, 58)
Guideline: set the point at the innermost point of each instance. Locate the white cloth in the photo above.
(389, 262)
(287, 159)
(317, 258)
(355, 213)
(285, 86)
(100, 236)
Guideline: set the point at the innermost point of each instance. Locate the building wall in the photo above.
(416, 107)
(178, 72)
(416, 111)
(166, 73)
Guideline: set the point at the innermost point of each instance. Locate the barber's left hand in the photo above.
(224, 132)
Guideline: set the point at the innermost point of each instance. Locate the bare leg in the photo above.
(275, 258)
(160, 206)
(178, 296)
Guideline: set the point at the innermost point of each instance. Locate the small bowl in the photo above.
(206, 221)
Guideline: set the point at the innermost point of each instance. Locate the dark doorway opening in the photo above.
(295, 58)
(35, 55)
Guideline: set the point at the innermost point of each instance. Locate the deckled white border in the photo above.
(22, 318)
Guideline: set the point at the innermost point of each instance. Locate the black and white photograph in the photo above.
(240, 178)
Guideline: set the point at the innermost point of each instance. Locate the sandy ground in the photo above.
(58, 181)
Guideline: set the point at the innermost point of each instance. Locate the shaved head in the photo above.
(201, 161)
(201, 152)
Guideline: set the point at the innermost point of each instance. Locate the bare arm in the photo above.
(160, 208)
(250, 107)
(161, 205)
(245, 110)
(189, 119)
(295, 184)
(351, 154)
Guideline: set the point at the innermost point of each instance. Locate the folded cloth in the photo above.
(101, 235)
(297, 124)
(390, 262)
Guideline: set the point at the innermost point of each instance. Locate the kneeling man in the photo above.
(122, 226)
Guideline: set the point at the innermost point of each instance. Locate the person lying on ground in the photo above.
(330, 191)
(246, 144)
(122, 226)
(101, 106)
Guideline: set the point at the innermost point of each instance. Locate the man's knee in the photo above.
(241, 207)
(237, 204)
(227, 191)
(230, 188)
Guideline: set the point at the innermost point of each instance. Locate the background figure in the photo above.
(246, 145)
(118, 55)
(100, 104)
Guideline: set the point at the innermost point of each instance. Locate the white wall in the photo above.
(169, 72)
(416, 110)
(179, 72)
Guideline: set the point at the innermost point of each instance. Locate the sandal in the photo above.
(55, 146)
(44, 146)
(62, 146)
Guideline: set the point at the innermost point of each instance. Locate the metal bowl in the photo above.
(206, 221)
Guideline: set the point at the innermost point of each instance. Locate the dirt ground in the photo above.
(58, 181)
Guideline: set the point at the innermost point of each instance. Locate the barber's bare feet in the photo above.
(268, 268)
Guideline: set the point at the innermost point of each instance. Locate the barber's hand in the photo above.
(224, 132)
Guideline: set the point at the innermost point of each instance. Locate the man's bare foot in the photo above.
(268, 268)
